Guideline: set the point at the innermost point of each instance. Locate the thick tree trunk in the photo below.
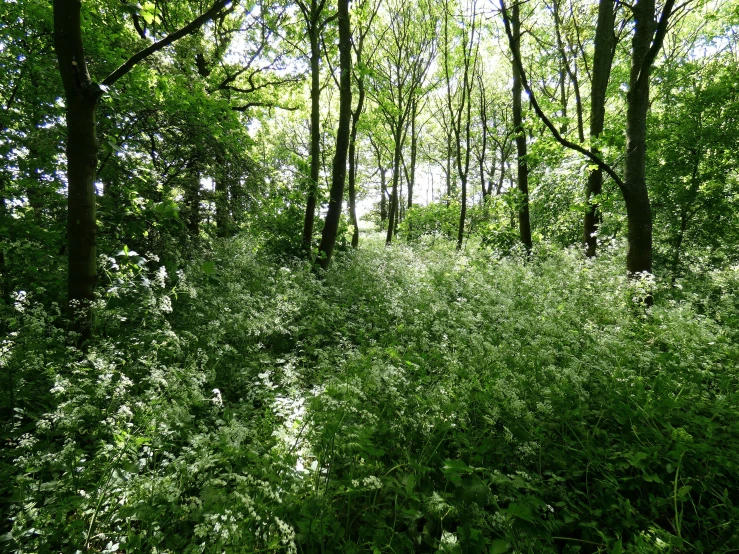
(315, 138)
(524, 223)
(338, 175)
(81, 95)
(638, 209)
(602, 60)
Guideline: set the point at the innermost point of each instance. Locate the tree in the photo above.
(82, 95)
(605, 42)
(646, 43)
(407, 49)
(338, 174)
(459, 101)
(692, 170)
(524, 222)
(362, 30)
(645, 46)
(315, 23)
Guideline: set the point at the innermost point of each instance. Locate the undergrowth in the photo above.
(409, 400)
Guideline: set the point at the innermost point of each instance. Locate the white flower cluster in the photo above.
(217, 399)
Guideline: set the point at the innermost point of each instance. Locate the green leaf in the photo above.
(520, 511)
(456, 466)
(617, 547)
(499, 546)
(209, 268)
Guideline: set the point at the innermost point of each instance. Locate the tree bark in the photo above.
(315, 137)
(393, 211)
(81, 95)
(338, 175)
(353, 163)
(353, 158)
(638, 209)
(524, 223)
(414, 152)
(602, 60)
(223, 215)
(383, 195)
(483, 147)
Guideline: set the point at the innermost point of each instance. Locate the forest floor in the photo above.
(413, 399)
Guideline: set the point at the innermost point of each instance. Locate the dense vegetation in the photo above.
(415, 398)
(532, 346)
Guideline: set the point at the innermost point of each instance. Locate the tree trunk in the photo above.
(448, 168)
(602, 60)
(192, 202)
(483, 147)
(4, 274)
(393, 215)
(414, 153)
(501, 176)
(353, 163)
(562, 71)
(223, 216)
(638, 209)
(354, 159)
(315, 137)
(81, 96)
(383, 195)
(338, 175)
(524, 223)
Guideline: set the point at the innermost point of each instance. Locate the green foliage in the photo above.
(438, 219)
(410, 400)
(693, 168)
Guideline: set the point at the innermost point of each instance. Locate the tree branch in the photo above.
(659, 37)
(552, 129)
(190, 28)
(248, 105)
